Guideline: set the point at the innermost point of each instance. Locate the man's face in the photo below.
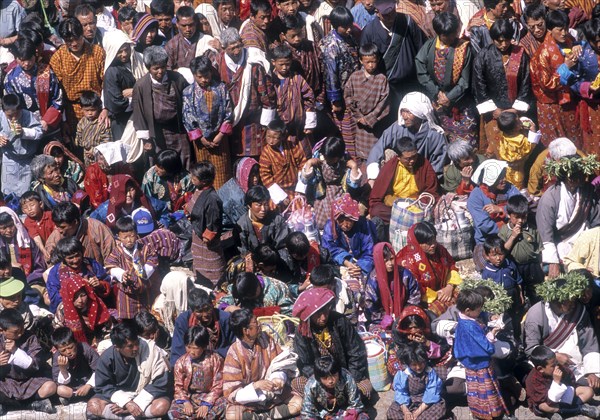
(226, 12)
(289, 7)
(67, 230)
(439, 6)
(408, 159)
(13, 333)
(235, 51)
(259, 210)
(186, 26)
(12, 302)
(158, 71)
(468, 161)
(500, 10)
(253, 331)
(89, 26)
(130, 349)
(75, 45)
(261, 19)
(165, 22)
(68, 350)
(537, 27)
(294, 37)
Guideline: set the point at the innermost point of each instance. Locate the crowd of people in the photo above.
(318, 167)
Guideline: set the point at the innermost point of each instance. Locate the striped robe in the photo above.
(281, 166)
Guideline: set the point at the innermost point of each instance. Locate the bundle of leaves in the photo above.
(567, 166)
(563, 288)
(501, 302)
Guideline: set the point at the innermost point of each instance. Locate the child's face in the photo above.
(517, 219)
(90, 112)
(74, 261)
(548, 370)
(369, 63)
(11, 302)
(13, 333)
(473, 313)
(496, 257)
(329, 382)
(198, 183)
(344, 31)
(259, 210)
(59, 158)
(32, 208)
(194, 351)
(449, 39)
(203, 79)
(266, 269)
(27, 63)
(161, 172)
(289, 7)
(273, 138)
(13, 114)
(68, 350)
(417, 367)
(282, 66)
(128, 239)
(80, 300)
(294, 37)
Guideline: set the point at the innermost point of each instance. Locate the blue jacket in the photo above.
(471, 346)
(159, 207)
(433, 389)
(181, 326)
(362, 237)
(484, 224)
(507, 274)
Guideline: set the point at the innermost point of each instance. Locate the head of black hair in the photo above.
(412, 321)
(127, 13)
(260, 6)
(508, 121)
(85, 9)
(30, 195)
(197, 336)
(387, 252)
(368, 50)
(204, 171)
(11, 102)
(90, 99)
(123, 332)
(405, 144)
(425, 232)
(185, 12)
(493, 242)
(162, 7)
(62, 336)
(169, 160)
(596, 12)
(11, 318)
(322, 276)
(469, 299)
(239, 320)
(201, 65)
(245, 287)
(256, 194)
(32, 36)
(591, 30)
(277, 125)
(541, 355)
(291, 22)
(485, 291)
(446, 23)
(6, 220)
(199, 300)
(535, 11)
(70, 28)
(333, 147)
(502, 28)
(325, 367)
(5, 260)
(491, 4)
(557, 19)
(24, 49)
(297, 244)
(517, 204)
(67, 247)
(125, 224)
(146, 323)
(281, 52)
(265, 254)
(340, 16)
(413, 352)
(65, 212)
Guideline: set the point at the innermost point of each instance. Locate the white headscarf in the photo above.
(113, 152)
(491, 170)
(112, 43)
(23, 239)
(420, 106)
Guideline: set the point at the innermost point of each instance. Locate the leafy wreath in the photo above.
(567, 166)
(573, 288)
(501, 302)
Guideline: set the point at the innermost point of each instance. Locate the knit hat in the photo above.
(143, 220)
(141, 26)
(10, 287)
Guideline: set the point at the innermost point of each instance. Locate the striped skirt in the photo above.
(483, 394)
(208, 260)
(219, 157)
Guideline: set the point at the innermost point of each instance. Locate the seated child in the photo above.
(280, 159)
(21, 359)
(503, 271)
(519, 137)
(132, 264)
(73, 366)
(38, 222)
(524, 243)
(90, 133)
(198, 379)
(552, 390)
(474, 349)
(344, 302)
(417, 388)
(132, 378)
(12, 292)
(332, 393)
(151, 330)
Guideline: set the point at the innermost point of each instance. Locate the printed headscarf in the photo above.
(308, 303)
(392, 305)
(242, 173)
(117, 195)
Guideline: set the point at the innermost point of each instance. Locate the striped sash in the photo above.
(564, 328)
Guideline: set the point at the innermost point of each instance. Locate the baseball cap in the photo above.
(143, 220)
(10, 287)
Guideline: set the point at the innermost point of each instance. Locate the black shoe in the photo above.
(590, 411)
(44, 406)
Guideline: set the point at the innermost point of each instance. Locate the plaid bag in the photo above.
(455, 234)
(398, 239)
(407, 212)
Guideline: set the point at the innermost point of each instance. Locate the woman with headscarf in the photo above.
(416, 120)
(349, 237)
(68, 164)
(82, 311)
(52, 187)
(323, 332)
(232, 192)
(122, 68)
(145, 33)
(487, 201)
(110, 161)
(433, 268)
(390, 287)
(126, 196)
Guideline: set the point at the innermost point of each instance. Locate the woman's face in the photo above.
(59, 158)
(8, 230)
(320, 318)
(345, 223)
(503, 44)
(124, 53)
(102, 162)
(52, 177)
(389, 264)
(130, 193)
(80, 300)
(149, 35)
(559, 34)
(429, 247)
(259, 210)
(74, 261)
(500, 185)
(158, 71)
(410, 120)
(194, 351)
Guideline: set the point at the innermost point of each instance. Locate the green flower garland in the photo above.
(566, 166)
(501, 302)
(574, 287)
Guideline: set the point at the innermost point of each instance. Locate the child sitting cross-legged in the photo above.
(73, 366)
(552, 390)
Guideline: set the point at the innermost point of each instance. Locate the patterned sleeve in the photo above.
(216, 390)
(189, 116)
(333, 86)
(180, 374)
(309, 409)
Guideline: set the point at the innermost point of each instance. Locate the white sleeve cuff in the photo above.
(29, 133)
(550, 253)
(267, 115)
(372, 170)
(121, 398)
(534, 137)
(62, 380)
(149, 269)
(143, 134)
(311, 120)
(92, 380)
(487, 106)
(591, 363)
(143, 399)
(301, 185)
(248, 395)
(358, 178)
(278, 375)
(117, 273)
(556, 392)
(521, 106)
(21, 359)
